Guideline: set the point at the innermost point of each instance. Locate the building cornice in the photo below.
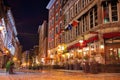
(50, 4)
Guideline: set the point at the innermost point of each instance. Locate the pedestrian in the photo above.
(9, 67)
(41, 66)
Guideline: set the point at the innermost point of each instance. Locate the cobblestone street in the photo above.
(59, 75)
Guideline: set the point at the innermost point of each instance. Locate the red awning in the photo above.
(84, 44)
(94, 38)
(77, 45)
(48, 58)
(111, 35)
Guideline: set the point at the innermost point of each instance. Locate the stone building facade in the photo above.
(90, 29)
(43, 41)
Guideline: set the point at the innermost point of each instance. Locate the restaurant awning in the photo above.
(77, 45)
(84, 44)
(92, 39)
(111, 35)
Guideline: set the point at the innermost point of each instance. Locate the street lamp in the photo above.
(14, 59)
(6, 51)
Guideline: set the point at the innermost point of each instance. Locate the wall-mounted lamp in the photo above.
(81, 41)
(102, 46)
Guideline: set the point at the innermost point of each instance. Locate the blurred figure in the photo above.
(10, 66)
(41, 66)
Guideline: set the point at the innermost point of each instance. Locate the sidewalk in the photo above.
(72, 71)
(89, 74)
(20, 70)
(2, 71)
(61, 75)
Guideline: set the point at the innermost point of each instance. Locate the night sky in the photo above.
(28, 15)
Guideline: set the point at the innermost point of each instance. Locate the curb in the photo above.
(71, 71)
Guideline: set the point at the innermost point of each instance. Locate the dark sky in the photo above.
(28, 15)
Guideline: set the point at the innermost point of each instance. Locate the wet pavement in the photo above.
(58, 75)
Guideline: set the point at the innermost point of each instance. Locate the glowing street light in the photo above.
(6, 51)
(14, 59)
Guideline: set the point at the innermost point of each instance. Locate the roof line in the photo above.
(51, 2)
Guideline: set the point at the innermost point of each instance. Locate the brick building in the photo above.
(55, 27)
(94, 29)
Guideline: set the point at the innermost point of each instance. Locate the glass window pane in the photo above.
(114, 11)
(106, 12)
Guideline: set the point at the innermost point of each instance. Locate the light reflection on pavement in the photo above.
(59, 75)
